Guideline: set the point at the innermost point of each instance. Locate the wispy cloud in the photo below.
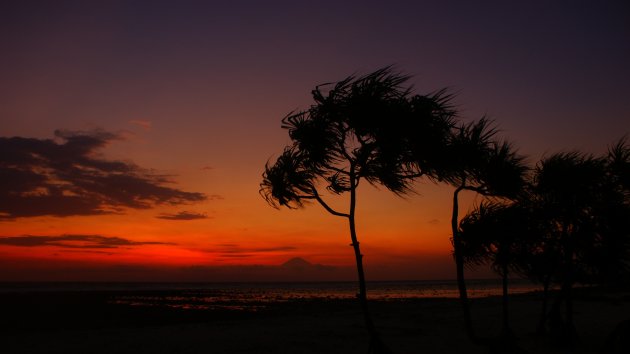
(184, 215)
(83, 251)
(74, 241)
(293, 269)
(433, 221)
(141, 123)
(233, 248)
(43, 177)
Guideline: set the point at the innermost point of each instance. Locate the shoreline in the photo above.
(79, 322)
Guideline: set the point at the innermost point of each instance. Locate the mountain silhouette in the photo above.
(297, 263)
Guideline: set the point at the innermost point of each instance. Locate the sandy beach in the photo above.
(90, 322)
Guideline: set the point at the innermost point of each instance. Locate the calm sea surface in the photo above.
(250, 296)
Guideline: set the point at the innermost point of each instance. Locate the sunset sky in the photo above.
(133, 134)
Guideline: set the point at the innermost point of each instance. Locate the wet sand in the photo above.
(91, 322)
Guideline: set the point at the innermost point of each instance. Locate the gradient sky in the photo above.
(160, 116)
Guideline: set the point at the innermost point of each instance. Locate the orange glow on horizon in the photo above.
(396, 234)
(163, 107)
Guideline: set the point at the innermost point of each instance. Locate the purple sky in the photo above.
(195, 90)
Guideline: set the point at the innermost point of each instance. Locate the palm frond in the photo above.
(287, 182)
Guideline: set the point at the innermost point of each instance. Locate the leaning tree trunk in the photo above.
(506, 323)
(376, 345)
(543, 313)
(567, 287)
(459, 264)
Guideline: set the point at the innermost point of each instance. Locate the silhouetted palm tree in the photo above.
(613, 241)
(568, 187)
(618, 164)
(541, 257)
(578, 214)
(355, 131)
(478, 163)
(495, 233)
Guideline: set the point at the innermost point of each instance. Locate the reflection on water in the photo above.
(254, 297)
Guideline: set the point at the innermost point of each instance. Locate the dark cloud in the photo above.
(232, 249)
(184, 215)
(73, 241)
(66, 177)
(83, 251)
(236, 255)
(295, 269)
(75, 270)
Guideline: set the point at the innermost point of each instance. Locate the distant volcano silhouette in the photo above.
(297, 263)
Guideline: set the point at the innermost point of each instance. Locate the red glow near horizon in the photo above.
(187, 100)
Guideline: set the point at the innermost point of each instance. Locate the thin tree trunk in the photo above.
(506, 324)
(556, 322)
(376, 346)
(567, 285)
(459, 264)
(569, 327)
(543, 313)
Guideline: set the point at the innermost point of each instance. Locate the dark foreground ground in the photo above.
(89, 322)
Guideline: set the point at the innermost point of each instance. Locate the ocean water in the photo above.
(253, 296)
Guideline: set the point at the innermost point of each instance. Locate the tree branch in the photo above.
(326, 206)
(479, 190)
(337, 169)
